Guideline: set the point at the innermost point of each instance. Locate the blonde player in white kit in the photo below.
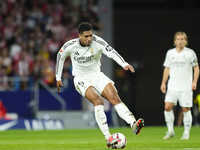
(179, 65)
(90, 82)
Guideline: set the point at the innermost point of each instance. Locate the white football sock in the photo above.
(101, 120)
(125, 113)
(169, 119)
(187, 121)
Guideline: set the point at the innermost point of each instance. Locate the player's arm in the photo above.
(129, 67)
(164, 79)
(112, 53)
(61, 56)
(120, 60)
(196, 76)
(59, 84)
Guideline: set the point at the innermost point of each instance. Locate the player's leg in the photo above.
(170, 100)
(105, 86)
(187, 122)
(94, 97)
(186, 102)
(169, 115)
(111, 94)
(85, 88)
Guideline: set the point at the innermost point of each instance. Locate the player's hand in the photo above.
(163, 88)
(194, 86)
(129, 67)
(59, 83)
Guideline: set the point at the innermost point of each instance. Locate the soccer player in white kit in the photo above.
(179, 65)
(90, 82)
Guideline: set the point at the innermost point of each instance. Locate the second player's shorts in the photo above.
(98, 80)
(185, 98)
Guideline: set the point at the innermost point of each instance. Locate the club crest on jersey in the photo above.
(91, 51)
(184, 56)
(61, 50)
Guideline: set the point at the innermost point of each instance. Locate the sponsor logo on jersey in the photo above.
(179, 64)
(76, 53)
(83, 59)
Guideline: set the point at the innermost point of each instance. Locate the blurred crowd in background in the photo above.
(31, 33)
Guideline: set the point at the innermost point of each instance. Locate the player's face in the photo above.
(180, 41)
(86, 38)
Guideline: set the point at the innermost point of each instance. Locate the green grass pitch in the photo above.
(150, 138)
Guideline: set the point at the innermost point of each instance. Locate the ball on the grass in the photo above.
(121, 141)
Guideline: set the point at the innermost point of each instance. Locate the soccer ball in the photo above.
(121, 141)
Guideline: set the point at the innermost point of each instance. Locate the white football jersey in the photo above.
(85, 60)
(181, 68)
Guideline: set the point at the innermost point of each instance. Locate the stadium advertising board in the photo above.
(32, 124)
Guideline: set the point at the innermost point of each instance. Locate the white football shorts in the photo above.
(185, 98)
(98, 80)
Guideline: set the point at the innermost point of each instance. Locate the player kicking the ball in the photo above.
(90, 82)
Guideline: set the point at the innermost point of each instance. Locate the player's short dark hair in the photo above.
(84, 26)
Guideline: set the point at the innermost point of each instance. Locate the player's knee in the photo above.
(97, 101)
(186, 109)
(168, 108)
(114, 99)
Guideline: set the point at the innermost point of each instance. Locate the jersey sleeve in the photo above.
(112, 53)
(167, 60)
(194, 59)
(61, 56)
